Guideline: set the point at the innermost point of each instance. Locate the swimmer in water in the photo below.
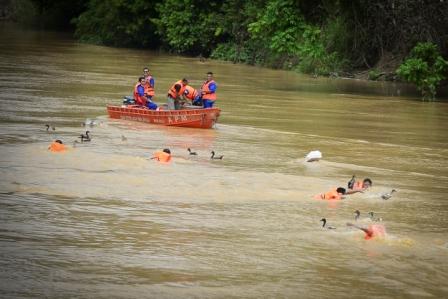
(335, 194)
(162, 156)
(57, 146)
(358, 186)
(372, 231)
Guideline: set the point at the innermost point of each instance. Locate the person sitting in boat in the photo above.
(175, 94)
(193, 96)
(208, 91)
(149, 84)
(139, 95)
(335, 194)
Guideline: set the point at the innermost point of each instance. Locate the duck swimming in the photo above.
(324, 222)
(48, 127)
(86, 137)
(217, 157)
(387, 196)
(123, 138)
(357, 214)
(373, 218)
(192, 153)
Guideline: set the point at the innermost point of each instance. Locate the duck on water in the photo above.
(85, 137)
(192, 153)
(213, 157)
(324, 222)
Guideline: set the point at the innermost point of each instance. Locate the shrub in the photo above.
(425, 68)
(374, 74)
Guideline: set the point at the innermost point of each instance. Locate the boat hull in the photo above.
(191, 118)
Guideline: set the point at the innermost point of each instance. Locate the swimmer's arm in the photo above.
(351, 191)
(358, 227)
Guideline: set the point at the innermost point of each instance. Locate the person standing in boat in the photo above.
(208, 91)
(175, 94)
(139, 95)
(193, 95)
(149, 84)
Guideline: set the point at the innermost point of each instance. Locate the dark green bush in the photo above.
(425, 68)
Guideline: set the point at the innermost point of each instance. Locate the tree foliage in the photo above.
(319, 36)
(377, 27)
(118, 23)
(425, 68)
(188, 26)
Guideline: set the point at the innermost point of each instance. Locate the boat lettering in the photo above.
(177, 118)
(135, 118)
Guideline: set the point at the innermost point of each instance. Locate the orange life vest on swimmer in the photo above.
(206, 92)
(162, 156)
(375, 230)
(330, 195)
(173, 93)
(357, 185)
(192, 93)
(139, 100)
(57, 147)
(149, 90)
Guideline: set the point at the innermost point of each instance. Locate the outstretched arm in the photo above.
(359, 227)
(351, 191)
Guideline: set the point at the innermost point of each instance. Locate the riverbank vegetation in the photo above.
(425, 68)
(319, 37)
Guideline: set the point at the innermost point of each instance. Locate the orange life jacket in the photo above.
(330, 195)
(206, 93)
(173, 93)
(139, 100)
(162, 157)
(149, 90)
(375, 230)
(192, 93)
(357, 185)
(57, 147)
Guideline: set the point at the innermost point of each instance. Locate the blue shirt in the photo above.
(212, 87)
(151, 82)
(141, 90)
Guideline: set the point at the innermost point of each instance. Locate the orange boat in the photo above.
(186, 117)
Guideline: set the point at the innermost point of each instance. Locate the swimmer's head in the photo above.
(367, 183)
(167, 150)
(58, 141)
(340, 190)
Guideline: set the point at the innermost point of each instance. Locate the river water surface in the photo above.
(104, 221)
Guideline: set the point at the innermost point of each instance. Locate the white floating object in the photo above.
(313, 156)
(90, 122)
